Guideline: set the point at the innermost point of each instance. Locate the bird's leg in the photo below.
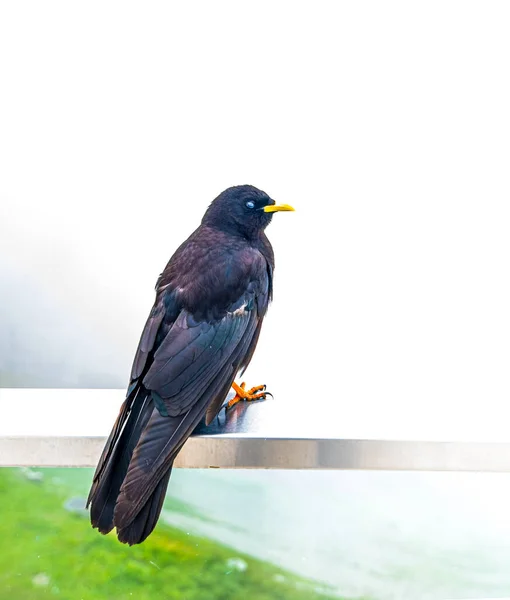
(247, 395)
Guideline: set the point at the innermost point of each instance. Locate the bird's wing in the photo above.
(193, 367)
(148, 338)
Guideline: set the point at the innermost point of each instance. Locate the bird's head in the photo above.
(242, 209)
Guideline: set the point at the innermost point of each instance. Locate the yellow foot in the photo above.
(241, 394)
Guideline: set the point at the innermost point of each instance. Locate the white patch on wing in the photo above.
(238, 312)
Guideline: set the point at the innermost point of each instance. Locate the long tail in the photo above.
(132, 476)
(113, 467)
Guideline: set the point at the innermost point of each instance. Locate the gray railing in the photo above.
(41, 427)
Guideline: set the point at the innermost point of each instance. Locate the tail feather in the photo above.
(143, 524)
(136, 494)
(159, 444)
(113, 468)
(112, 471)
(129, 490)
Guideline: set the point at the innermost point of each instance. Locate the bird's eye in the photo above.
(250, 204)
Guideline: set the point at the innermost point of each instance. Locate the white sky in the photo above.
(387, 126)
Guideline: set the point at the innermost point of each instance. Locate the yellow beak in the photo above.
(277, 207)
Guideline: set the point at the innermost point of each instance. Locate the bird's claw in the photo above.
(255, 393)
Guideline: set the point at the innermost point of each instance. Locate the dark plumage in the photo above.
(202, 330)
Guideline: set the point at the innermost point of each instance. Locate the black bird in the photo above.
(202, 331)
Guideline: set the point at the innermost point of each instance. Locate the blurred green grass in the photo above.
(47, 551)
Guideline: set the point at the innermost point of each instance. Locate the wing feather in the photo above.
(163, 437)
(147, 340)
(185, 362)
